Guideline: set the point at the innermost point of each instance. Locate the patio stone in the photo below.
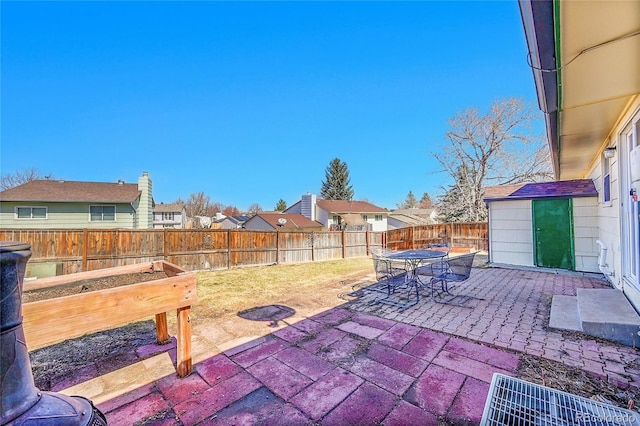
(290, 334)
(126, 398)
(260, 352)
(469, 403)
(467, 366)
(281, 379)
(323, 339)
(397, 360)
(216, 369)
(373, 321)
(304, 362)
(399, 335)
(360, 330)
(342, 349)
(80, 375)
(334, 316)
(426, 344)
(435, 389)
(385, 377)
(326, 393)
(137, 410)
(176, 389)
(309, 326)
(368, 405)
(214, 399)
(261, 407)
(475, 351)
(152, 349)
(405, 414)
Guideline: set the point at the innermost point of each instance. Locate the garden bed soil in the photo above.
(93, 284)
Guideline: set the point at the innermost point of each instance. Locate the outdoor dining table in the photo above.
(413, 260)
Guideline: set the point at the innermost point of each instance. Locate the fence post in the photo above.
(85, 243)
(450, 232)
(165, 240)
(366, 241)
(344, 245)
(228, 248)
(277, 247)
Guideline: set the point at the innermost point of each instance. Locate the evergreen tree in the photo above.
(410, 202)
(462, 202)
(425, 202)
(336, 185)
(281, 206)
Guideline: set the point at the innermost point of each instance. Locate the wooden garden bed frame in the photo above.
(50, 321)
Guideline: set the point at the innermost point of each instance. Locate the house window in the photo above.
(606, 180)
(378, 218)
(335, 219)
(31, 212)
(168, 216)
(365, 217)
(102, 213)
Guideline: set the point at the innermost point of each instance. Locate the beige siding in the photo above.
(585, 233)
(511, 237)
(64, 216)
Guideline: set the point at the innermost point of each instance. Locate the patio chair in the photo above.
(458, 271)
(389, 274)
(437, 267)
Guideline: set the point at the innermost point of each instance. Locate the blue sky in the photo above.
(248, 102)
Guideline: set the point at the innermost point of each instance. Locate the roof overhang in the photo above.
(585, 57)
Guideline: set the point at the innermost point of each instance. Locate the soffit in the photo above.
(597, 85)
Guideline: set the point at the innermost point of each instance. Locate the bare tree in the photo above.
(255, 208)
(199, 204)
(490, 149)
(20, 177)
(231, 211)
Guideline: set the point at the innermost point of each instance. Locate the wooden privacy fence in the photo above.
(193, 249)
(81, 250)
(474, 236)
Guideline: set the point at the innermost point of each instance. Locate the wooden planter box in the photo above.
(53, 320)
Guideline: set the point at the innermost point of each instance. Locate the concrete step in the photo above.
(604, 313)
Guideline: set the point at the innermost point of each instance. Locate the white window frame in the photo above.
(365, 217)
(378, 218)
(168, 216)
(46, 213)
(102, 206)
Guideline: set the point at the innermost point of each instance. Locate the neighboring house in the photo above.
(169, 215)
(403, 218)
(59, 204)
(338, 214)
(232, 222)
(267, 221)
(585, 57)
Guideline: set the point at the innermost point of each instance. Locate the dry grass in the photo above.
(226, 292)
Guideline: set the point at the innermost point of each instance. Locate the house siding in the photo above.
(609, 214)
(511, 236)
(585, 233)
(66, 216)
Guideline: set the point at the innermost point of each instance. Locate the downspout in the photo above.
(602, 263)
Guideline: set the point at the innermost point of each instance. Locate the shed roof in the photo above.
(72, 191)
(564, 188)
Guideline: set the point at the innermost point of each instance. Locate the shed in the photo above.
(546, 224)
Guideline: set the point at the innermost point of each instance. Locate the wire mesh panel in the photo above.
(515, 402)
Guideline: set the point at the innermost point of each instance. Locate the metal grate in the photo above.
(515, 402)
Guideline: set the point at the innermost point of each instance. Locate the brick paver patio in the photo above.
(364, 364)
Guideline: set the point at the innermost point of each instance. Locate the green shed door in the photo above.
(553, 233)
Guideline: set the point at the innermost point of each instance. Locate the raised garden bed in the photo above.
(68, 306)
